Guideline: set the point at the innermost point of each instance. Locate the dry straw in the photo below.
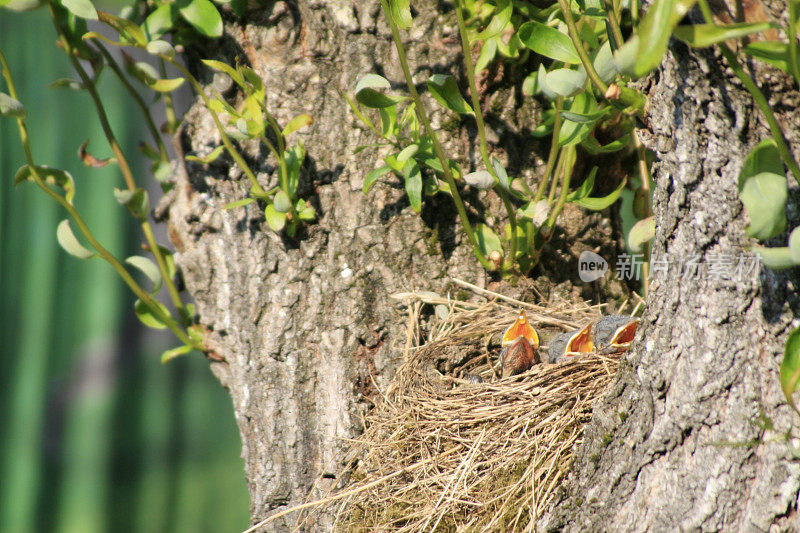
(443, 451)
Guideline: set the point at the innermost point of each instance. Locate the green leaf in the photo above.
(641, 232)
(240, 203)
(488, 51)
(373, 175)
(790, 366)
(160, 21)
(171, 354)
(763, 158)
(589, 118)
(548, 42)
(210, 158)
(499, 21)
(148, 268)
(202, 15)
(10, 107)
(488, 241)
(227, 69)
(158, 47)
(585, 189)
(305, 211)
(794, 244)
(80, 8)
(776, 258)
(51, 176)
(573, 132)
(126, 29)
(764, 198)
(162, 171)
(772, 52)
(413, 184)
(500, 172)
(388, 121)
(166, 86)
(294, 157)
(703, 35)
(566, 82)
(137, 201)
(66, 83)
(445, 90)
(169, 259)
(147, 315)
(654, 32)
(69, 243)
(401, 13)
(541, 82)
(282, 202)
(368, 95)
(480, 179)
(407, 153)
(300, 121)
(276, 220)
(597, 204)
(604, 63)
(591, 145)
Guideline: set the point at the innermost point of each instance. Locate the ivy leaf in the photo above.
(764, 198)
(413, 184)
(80, 8)
(488, 241)
(598, 204)
(148, 268)
(202, 15)
(300, 121)
(10, 107)
(171, 354)
(790, 366)
(641, 232)
(548, 42)
(501, 18)
(373, 175)
(70, 243)
(147, 315)
(368, 94)
(52, 176)
(445, 90)
(401, 13)
(704, 35)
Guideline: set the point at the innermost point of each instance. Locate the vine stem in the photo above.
(123, 165)
(476, 105)
(437, 146)
(554, 149)
(99, 248)
(758, 97)
(226, 141)
(576, 41)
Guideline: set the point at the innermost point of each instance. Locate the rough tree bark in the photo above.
(305, 330)
(668, 448)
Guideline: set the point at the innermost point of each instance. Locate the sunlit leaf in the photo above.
(488, 241)
(655, 30)
(413, 184)
(764, 198)
(368, 94)
(703, 35)
(202, 15)
(501, 18)
(407, 153)
(779, 258)
(566, 82)
(210, 158)
(172, 353)
(500, 172)
(488, 51)
(149, 316)
(52, 176)
(160, 21)
(240, 203)
(763, 158)
(597, 204)
(11, 107)
(401, 13)
(159, 47)
(276, 220)
(137, 201)
(282, 202)
(790, 366)
(445, 90)
(641, 232)
(773, 52)
(80, 8)
(70, 243)
(305, 211)
(548, 42)
(373, 175)
(166, 85)
(480, 179)
(148, 267)
(127, 29)
(300, 121)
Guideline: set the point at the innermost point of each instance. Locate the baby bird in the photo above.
(520, 347)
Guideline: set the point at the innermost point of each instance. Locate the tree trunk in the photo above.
(304, 327)
(674, 444)
(306, 331)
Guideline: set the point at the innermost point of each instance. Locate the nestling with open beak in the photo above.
(610, 334)
(520, 347)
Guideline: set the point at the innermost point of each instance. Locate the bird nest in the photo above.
(452, 446)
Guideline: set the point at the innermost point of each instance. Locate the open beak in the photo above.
(520, 347)
(521, 328)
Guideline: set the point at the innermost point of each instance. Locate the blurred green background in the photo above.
(95, 433)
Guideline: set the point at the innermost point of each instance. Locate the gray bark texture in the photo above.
(303, 330)
(673, 445)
